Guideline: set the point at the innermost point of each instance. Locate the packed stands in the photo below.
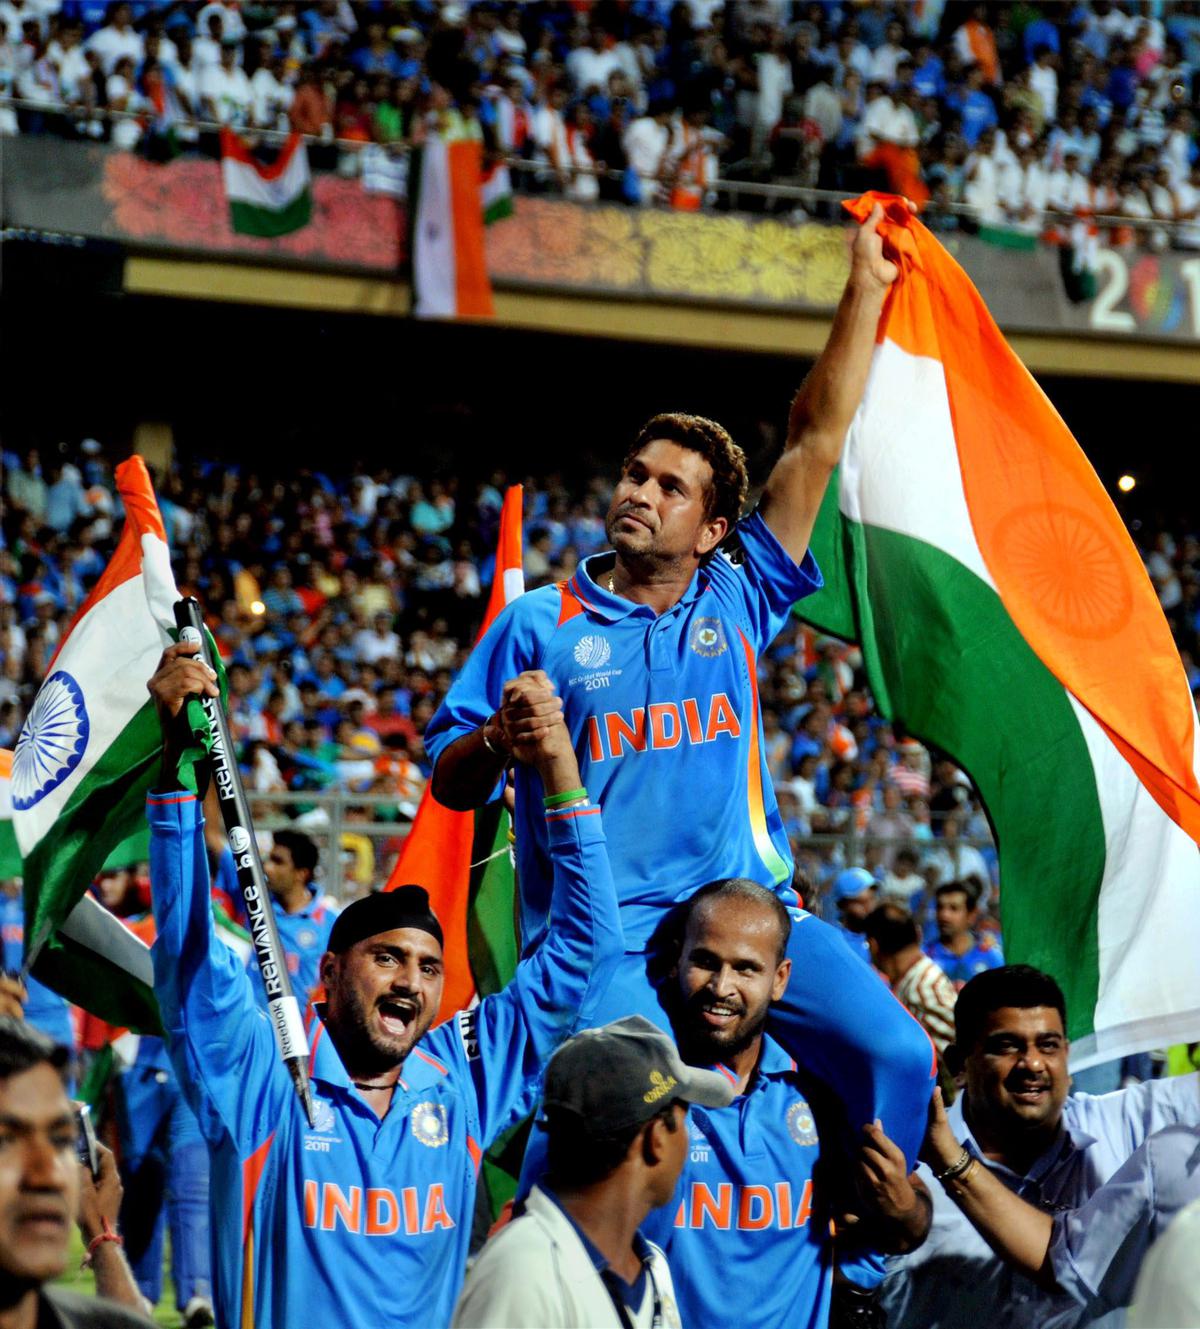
(1037, 120)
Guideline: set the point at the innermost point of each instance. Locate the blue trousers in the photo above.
(164, 1164)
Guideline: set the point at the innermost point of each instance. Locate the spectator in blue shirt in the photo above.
(1041, 32)
(958, 951)
(977, 109)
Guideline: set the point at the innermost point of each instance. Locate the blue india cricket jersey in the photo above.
(44, 1009)
(305, 938)
(663, 710)
(960, 969)
(358, 1221)
(745, 1225)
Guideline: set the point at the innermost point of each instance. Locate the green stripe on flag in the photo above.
(491, 914)
(108, 805)
(250, 219)
(498, 209)
(89, 980)
(10, 852)
(943, 657)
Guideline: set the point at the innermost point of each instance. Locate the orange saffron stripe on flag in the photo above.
(473, 287)
(1064, 564)
(6, 757)
(142, 517)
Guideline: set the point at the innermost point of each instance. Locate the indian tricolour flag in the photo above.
(496, 193)
(1005, 616)
(10, 852)
(450, 276)
(462, 858)
(87, 754)
(266, 200)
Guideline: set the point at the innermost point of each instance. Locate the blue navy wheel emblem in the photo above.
(52, 743)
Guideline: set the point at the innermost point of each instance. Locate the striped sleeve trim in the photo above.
(572, 812)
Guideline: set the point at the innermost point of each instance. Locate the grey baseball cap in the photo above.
(622, 1074)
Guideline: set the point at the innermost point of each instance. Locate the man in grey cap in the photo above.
(615, 1106)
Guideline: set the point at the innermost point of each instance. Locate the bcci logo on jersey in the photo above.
(592, 652)
(800, 1124)
(429, 1124)
(708, 638)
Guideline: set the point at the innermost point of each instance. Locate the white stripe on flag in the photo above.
(434, 271)
(243, 184)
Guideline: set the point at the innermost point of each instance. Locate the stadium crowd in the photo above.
(1029, 117)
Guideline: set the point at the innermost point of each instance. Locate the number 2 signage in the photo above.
(1156, 295)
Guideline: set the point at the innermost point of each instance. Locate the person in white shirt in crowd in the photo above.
(225, 92)
(615, 1114)
(122, 95)
(1029, 212)
(548, 130)
(982, 191)
(187, 88)
(903, 883)
(823, 107)
(229, 12)
(876, 120)
(1157, 186)
(271, 94)
(589, 65)
(888, 57)
(1088, 139)
(1176, 149)
(206, 49)
(773, 71)
(1133, 203)
(953, 860)
(1067, 187)
(1043, 79)
(582, 184)
(1187, 210)
(68, 57)
(645, 142)
(117, 39)
(508, 36)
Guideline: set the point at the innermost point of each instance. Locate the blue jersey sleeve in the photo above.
(840, 1021)
(508, 1038)
(511, 645)
(221, 1044)
(765, 583)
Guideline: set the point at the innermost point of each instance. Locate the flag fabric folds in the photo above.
(462, 858)
(1005, 616)
(86, 756)
(450, 277)
(266, 200)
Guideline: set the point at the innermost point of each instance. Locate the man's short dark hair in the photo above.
(577, 1158)
(727, 493)
(892, 928)
(302, 849)
(22, 1047)
(969, 888)
(1018, 985)
(908, 855)
(738, 888)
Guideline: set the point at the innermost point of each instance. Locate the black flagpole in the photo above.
(282, 1006)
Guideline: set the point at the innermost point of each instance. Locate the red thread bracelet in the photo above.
(107, 1233)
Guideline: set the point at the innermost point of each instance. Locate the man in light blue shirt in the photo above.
(1014, 1119)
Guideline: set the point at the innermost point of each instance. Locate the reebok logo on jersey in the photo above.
(744, 1208)
(376, 1211)
(661, 726)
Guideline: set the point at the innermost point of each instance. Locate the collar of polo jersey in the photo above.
(419, 1072)
(593, 593)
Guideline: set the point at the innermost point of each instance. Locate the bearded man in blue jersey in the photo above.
(651, 655)
(364, 1216)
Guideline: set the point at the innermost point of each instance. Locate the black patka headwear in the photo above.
(405, 907)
